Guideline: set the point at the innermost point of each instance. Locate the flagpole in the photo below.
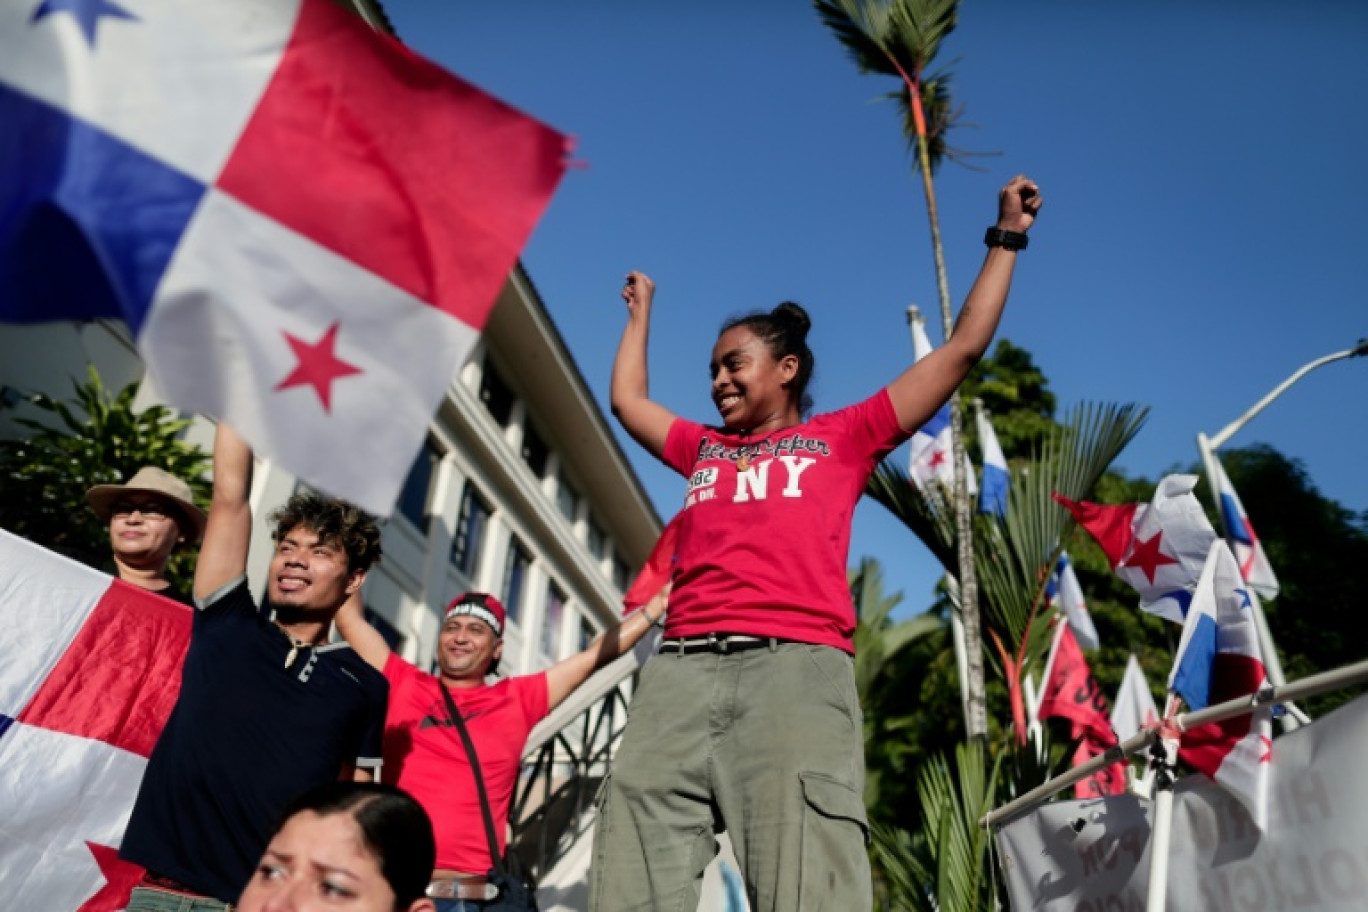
(956, 622)
(1163, 762)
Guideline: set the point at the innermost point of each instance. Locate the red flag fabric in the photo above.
(656, 572)
(1110, 524)
(89, 672)
(1071, 692)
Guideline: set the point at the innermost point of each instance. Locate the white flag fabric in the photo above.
(1249, 551)
(1134, 704)
(993, 492)
(1157, 548)
(932, 453)
(1065, 592)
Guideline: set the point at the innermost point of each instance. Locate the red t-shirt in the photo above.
(425, 757)
(763, 550)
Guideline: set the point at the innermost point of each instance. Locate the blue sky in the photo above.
(1206, 204)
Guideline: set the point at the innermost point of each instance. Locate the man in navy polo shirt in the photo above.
(267, 709)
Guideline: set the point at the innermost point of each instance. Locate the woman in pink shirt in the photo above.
(748, 720)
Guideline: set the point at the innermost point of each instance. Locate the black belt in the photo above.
(719, 643)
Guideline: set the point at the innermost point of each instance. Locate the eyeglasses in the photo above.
(149, 509)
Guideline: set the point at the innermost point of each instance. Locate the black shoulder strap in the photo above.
(455, 713)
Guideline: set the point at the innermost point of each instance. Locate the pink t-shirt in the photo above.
(763, 550)
(425, 757)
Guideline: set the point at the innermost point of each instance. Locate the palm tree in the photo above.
(900, 38)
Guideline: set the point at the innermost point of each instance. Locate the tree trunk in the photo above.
(976, 698)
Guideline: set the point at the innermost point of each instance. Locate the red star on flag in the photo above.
(937, 457)
(318, 365)
(1147, 556)
(120, 879)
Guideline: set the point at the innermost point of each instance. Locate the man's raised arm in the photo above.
(223, 556)
(360, 635)
(563, 677)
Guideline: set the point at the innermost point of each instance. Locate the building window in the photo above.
(471, 525)
(534, 451)
(622, 576)
(388, 632)
(598, 541)
(413, 497)
(496, 395)
(515, 576)
(551, 620)
(567, 498)
(586, 633)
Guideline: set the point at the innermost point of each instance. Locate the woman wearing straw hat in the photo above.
(148, 517)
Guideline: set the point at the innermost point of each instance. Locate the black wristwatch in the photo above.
(1007, 240)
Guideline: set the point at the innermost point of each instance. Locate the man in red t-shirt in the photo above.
(424, 754)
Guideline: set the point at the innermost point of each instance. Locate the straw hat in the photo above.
(151, 480)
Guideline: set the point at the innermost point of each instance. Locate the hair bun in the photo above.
(794, 315)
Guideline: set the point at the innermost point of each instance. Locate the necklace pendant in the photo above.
(290, 657)
(744, 462)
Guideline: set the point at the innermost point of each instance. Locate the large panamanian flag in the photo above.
(304, 224)
(89, 671)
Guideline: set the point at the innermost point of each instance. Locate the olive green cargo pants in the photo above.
(765, 744)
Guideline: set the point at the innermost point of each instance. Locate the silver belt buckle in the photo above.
(452, 888)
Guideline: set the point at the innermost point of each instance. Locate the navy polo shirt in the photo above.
(247, 735)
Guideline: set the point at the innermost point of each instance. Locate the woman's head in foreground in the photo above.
(346, 845)
(760, 368)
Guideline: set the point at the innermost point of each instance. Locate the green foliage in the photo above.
(879, 643)
(95, 438)
(1017, 396)
(945, 865)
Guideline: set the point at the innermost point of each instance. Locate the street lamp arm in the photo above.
(1225, 433)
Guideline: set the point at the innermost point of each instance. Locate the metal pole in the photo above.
(1225, 433)
(1163, 760)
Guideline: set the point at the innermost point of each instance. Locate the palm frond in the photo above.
(916, 30)
(862, 27)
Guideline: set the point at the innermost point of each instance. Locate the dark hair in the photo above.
(784, 330)
(335, 522)
(394, 828)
